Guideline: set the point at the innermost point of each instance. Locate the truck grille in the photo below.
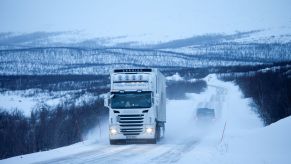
(131, 124)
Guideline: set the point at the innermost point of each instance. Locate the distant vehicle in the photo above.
(205, 114)
(137, 106)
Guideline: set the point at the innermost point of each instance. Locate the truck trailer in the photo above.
(137, 106)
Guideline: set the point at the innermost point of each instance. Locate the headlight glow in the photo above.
(113, 131)
(149, 130)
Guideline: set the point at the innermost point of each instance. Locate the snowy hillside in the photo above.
(12, 40)
(71, 60)
(244, 138)
(28, 100)
(165, 34)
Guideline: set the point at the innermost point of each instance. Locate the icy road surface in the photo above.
(186, 140)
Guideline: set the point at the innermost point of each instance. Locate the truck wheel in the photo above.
(162, 131)
(157, 136)
(158, 132)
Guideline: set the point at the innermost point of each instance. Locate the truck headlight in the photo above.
(149, 130)
(113, 131)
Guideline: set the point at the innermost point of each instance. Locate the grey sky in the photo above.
(133, 17)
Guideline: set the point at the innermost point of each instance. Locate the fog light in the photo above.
(149, 130)
(113, 131)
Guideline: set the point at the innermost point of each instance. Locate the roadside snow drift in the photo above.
(240, 137)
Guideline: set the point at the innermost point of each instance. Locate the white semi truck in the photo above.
(137, 106)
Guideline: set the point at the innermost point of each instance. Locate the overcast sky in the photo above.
(138, 17)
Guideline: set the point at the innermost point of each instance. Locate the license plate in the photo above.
(130, 137)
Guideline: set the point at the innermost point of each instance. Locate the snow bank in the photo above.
(270, 144)
(56, 153)
(244, 139)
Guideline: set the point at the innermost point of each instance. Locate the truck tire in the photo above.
(158, 132)
(157, 135)
(162, 130)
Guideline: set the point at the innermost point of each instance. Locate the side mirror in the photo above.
(106, 100)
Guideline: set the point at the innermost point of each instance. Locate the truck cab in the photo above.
(137, 106)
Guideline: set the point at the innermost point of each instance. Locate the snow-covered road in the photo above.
(186, 141)
(182, 136)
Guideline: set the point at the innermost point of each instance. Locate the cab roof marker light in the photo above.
(133, 70)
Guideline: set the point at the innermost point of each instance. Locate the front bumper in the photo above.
(120, 136)
(132, 141)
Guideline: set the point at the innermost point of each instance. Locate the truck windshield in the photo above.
(129, 100)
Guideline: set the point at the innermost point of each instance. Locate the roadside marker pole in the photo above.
(223, 132)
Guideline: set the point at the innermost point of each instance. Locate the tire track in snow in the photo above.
(108, 154)
(176, 152)
(137, 152)
(88, 156)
